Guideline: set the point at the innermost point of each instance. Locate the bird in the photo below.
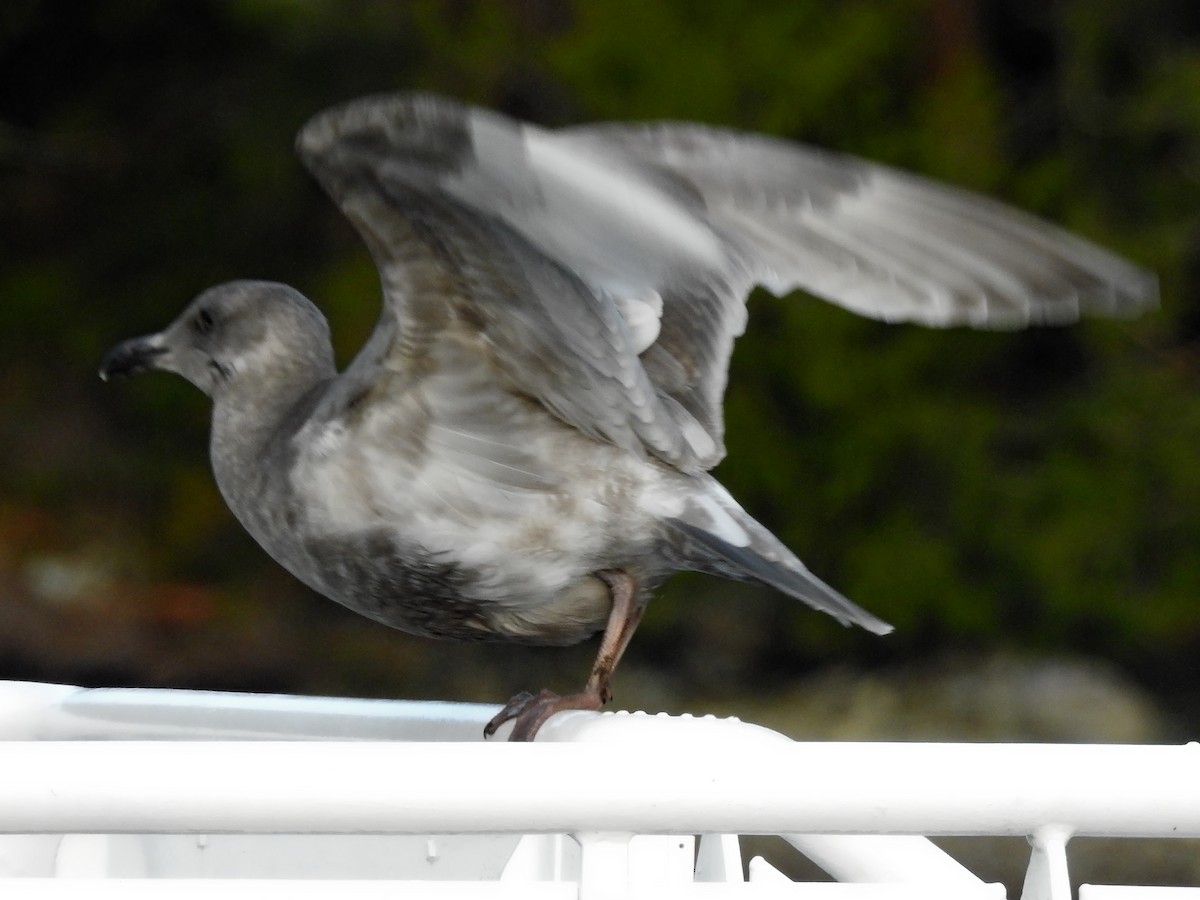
(521, 450)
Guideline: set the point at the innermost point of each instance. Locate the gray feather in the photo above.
(542, 394)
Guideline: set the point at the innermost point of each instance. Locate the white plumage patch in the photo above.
(592, 211)
(643, 316)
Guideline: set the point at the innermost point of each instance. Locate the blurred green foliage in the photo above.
(1035, 490)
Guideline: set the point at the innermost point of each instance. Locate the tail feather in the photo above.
(765, 560)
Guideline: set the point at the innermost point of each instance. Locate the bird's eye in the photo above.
(203, 321)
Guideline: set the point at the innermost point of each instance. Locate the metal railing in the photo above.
(140, 790)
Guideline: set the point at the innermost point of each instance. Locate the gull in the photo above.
(521, 449)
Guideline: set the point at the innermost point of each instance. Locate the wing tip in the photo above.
(871, 623)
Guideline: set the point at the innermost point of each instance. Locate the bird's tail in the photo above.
(715, 535)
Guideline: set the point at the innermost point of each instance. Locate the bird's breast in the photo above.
(487, 532)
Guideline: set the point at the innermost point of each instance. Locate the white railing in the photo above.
(303, 797)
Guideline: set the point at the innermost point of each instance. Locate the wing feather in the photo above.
(881, 242)
(440, 213)
(604, 269)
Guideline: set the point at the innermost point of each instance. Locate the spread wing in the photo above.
(877, 241)
(483, 228)
(605, 268)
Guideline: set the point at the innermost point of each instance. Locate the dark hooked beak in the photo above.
(138, 354)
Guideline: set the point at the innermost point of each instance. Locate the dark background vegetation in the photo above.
(1030, 495)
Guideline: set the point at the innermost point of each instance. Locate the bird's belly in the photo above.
(403, 584)
(437, 550)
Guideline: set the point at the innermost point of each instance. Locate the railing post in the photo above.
(603, 865)
(1047, 877)
(719, 858)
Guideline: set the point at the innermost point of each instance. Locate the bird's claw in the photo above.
(529, 712)
(511, 710)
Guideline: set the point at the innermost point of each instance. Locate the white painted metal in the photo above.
(420, 788)
(1132, 892)
(230, 889)
(257, 889)
(1047, 878)
(63, 712)
(50, 712)
(719, 858)
(888, 859)
(121, 789)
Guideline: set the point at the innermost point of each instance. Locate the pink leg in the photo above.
(530, 711)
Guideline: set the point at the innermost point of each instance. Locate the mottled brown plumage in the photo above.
(520, 450)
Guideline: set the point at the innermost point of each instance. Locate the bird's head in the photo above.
(234, 333)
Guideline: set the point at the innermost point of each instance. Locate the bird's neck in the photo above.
(250, 443)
